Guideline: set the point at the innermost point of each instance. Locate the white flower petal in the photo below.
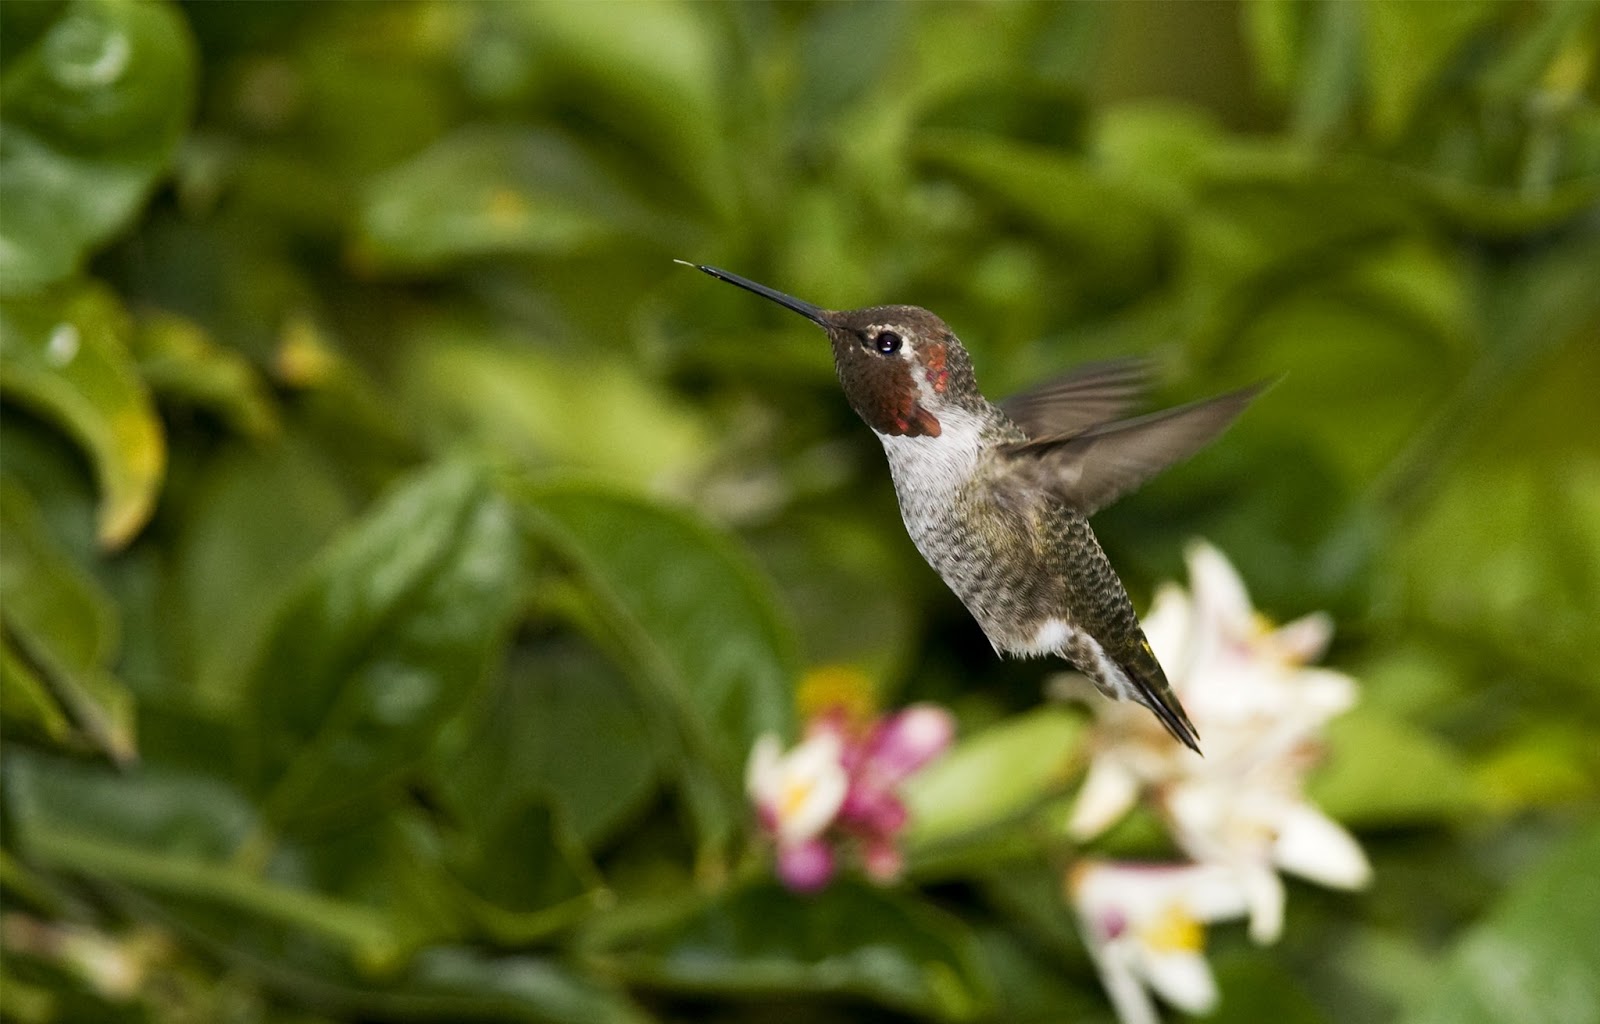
(1325, 691)
(762, 773)
(1182, 978)
(1212, 892)
(1219, 594)
(1108, 793)
(798, 793)
(1117, 974)
(1167, 626)
(1264, 890)
(1305, 639)
(1315, 847)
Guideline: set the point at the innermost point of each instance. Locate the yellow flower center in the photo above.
(1174, 931)
(795, 793)
(844, 687)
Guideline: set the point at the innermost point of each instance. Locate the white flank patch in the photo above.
(1106, 670)
(1050, 638)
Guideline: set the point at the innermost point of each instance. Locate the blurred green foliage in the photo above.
(401, 554)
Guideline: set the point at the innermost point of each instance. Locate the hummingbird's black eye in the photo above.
(887, 342)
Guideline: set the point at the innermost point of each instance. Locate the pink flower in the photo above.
(840, 787)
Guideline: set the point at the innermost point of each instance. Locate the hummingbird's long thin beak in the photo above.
(816, 314)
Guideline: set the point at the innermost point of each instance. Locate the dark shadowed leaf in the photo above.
(695, 623)
(390, 631)
(65, 354)
(560, 724)
(456, 983)
(652, 74)
(94, 109)
(850, 939)
(169, 834)
(527, 876)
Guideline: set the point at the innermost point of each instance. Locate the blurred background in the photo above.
(401, 553)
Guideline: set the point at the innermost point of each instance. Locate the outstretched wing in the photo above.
(1094, 468)
(1079, 399)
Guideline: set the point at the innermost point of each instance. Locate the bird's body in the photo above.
(997, 497)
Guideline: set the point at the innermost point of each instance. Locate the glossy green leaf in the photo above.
(390, 631)
(1531, 961)
(992, 777)
(94, 110)
(65, 354)
(695, 623)
(850, 939)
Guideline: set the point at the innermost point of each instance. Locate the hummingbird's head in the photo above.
(901, 367)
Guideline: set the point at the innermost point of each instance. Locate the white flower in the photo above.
(797, 794)
(1260, 711)
(1257, 826)
(1142, 925)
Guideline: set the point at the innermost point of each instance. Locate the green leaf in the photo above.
(851, 939)
(1408, 46)
(1382, 772)
(180, 361)
(388, 633)
(695, 623)
(60, 636)
(843, 576)
(454, 983)
(486, 192)
(1531, 961)
(94, 110)
(169, 834)
(65, 353)
(561, 724)
(652, 74)
(1255, 986)
(993, 777)
(521, 403)
(250, 526)
(526, 877)
(1108, 227)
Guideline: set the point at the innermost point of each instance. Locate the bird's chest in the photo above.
(983, 549)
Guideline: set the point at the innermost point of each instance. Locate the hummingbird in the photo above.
(997, 497)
